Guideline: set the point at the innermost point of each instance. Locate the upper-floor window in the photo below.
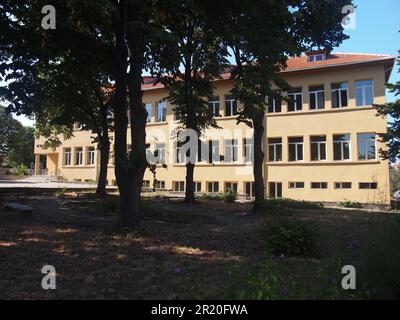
(318, 148)
(295, 100)
(180, 154)
(316, 57)
(231, 150)
(213, 105)
(149, 110)
(339, 95)
(90, 156)
(177, 114)
(364, 93)
(341, 147)
(78, 156)
(296, 149)
(67, 156)
(159, 152)
(274, 149)
(213, 151)
(274, 104)
(230, 106)
(317, 97)
(161, 111)
(366, 146)
(248, 149)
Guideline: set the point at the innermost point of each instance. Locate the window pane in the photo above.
(314, 151)
(335, 99)
(346, 151)
(337, 151)
(299, 152)
(278, 152)
(343, 95)
(323, 151)
(292, 152)
(312, 101)
(271, 154)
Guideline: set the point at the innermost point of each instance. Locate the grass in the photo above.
(207, 251)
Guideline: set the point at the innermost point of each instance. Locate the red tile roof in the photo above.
(301, 64)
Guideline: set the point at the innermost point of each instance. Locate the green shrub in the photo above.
(292, 204)
(292, 237)
(21, 170)
(230, 195)
(349, 204)
(211, 196)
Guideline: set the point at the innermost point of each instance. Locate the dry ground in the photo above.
(183, 252)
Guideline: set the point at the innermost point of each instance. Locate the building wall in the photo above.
(351, 120)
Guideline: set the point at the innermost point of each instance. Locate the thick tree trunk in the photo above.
(258, 125)
(189, 190)
(104, 147)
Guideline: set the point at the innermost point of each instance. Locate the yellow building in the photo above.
(320, 145)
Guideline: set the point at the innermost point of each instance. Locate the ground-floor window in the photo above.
(146, 184)
(249, 189)
(197, 186)
(296, 185)
(342, 185)
(67, 156)
(160, 184)
(275, 189)
(319, 185)
(213, 186)
(78, 156)
(231, 186)
(368, 185)
(179, 186)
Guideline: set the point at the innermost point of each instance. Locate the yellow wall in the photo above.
(351, 120)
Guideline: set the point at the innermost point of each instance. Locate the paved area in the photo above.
(45, 182)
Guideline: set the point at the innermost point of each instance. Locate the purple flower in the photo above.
(284, 291)
(177, 270)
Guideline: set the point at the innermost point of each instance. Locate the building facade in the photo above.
(321, 141)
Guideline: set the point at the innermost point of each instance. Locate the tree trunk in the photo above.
(104, 147)
(258, 125)
(189, 190)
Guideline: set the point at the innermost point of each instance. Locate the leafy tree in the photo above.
(197, 56)
(392, 136)
(262, 35)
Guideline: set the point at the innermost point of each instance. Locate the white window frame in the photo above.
(296, 149)
(251, 189)
(160, 147)
(342, 143)
(90, 156)
(231, 148)
(339, 91)
(364, 90)
(230, 185)
(294, 95)
(213, 183)
(213, 104)
(161, 112)
(339, 185)
(320, 185)
(366, 146)
(196, 186)
(179, 156)
(231, 102)
(274, 145)
(315, 92)
(295, 185)
(318, 143)
(248, 150)
(149, 114)
(316, 57)
(78, 156)
(274, 104)
(67, 156)
(179, 186)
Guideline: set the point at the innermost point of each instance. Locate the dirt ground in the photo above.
(183, 252)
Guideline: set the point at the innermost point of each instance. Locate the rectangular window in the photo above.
(159, 153)
(161, 111)
(213, 187)
(339, 95)
(249, 188)
(179, 186)
(213, 106)
(149, 110)
(341, 147)
(231, 151)
(342, 185)
(319, 185)
(90, 156)
(197, 186)
(67, 156)
(364, 93)
(159, 184)
(180, 154)
(368, 185)
(231, 186)
(296, 185)
(296, 149)
(318, 148)
(274, 104)
(275, 189)
(230, 106)
(213, 151)
(248, 150)
(274, 149)
(316, 57)
(366, 146)
(78, 156)
(295, 100)
(146, 184)
(317, 97)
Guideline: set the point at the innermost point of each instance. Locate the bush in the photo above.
(210, 196)
(292, 204)
(230, 195)
(21, 170)
(349, 204)
(292, 238)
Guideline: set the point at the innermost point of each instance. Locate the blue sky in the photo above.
(376, 31)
